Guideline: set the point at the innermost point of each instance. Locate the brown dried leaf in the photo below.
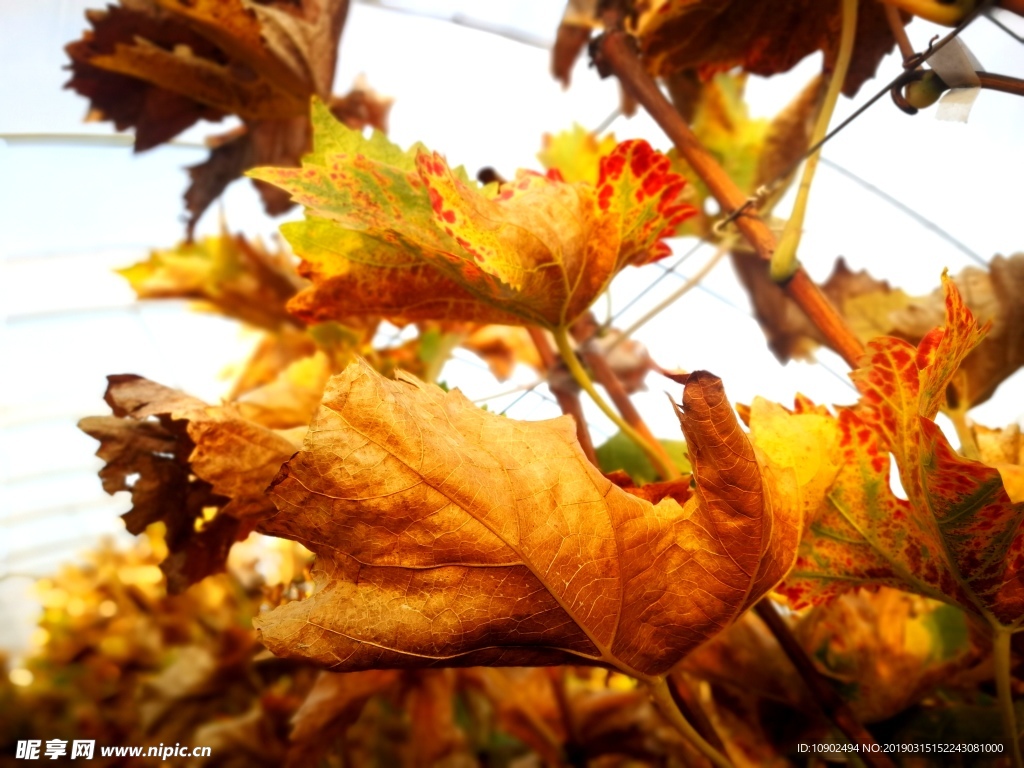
(201, 470)
(291, 399)
(157, 114)
(434, 738)
(764, 37)
(236, 277)
(1004, 450)
(273, 354)
(281, 142)
(747, 660)
(790, 334)
(888, 649)
(449, 536)
(184, 693)
(995, 296)
(872, 308)
(570, 41)
(503, 347)
(254, 739)
(578, 21)
(161, 65)
(789, 134)
(524, 706)
(333, 704)
(625, 724)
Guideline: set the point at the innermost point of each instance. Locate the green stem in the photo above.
(784, 263)
(968, 445)
(582, 378)
(440, 355)
(663, 698)
(1001, 659)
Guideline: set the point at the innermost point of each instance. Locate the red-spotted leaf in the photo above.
(957, 536)
(400, 234)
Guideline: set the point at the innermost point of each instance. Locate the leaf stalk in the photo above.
(1002, 662)
(666, 469)
(663, 698)
(596, 360)
(615, 53)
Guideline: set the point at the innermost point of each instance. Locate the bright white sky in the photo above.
(71, 212)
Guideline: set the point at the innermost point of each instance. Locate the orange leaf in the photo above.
(450, 536)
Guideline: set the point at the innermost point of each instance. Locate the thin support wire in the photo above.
(924, 221)
(990, 15)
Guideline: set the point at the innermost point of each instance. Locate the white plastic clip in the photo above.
(957, 66)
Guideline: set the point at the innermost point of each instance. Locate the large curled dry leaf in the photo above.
(160, 65)
(957, 536)
(201, 470)
(764, 37)
(450, 536)
(399, 234)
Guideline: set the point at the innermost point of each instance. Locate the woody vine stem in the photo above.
(614, 53)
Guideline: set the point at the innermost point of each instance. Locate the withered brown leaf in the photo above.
(789, 333)
(232, 275)
(450, 536)
(1004, 450)
(763, 37)
(873, 308)
(159, 66)
(202, 470)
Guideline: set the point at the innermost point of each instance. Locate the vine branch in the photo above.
(831, 703)
(614, 52)
(579, 373)
(1002, 662)
(583, 331)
